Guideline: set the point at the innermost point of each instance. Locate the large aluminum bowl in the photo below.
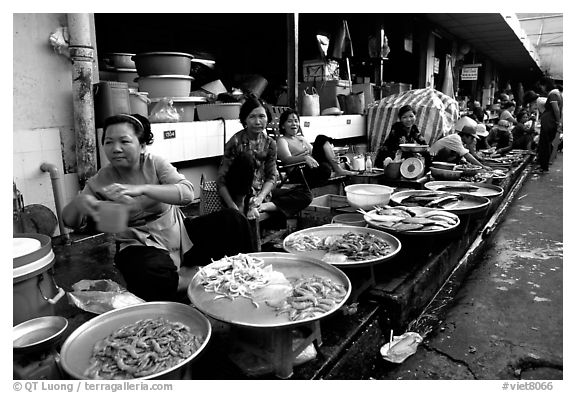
(77, 349)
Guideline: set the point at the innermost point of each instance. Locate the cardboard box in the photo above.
(317, 70)
(322, 209)
(328, 91)
(367, 89)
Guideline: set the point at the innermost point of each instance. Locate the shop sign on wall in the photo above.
(470, 72)
(436, 65)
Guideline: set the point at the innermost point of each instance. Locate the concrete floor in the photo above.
(506, 321)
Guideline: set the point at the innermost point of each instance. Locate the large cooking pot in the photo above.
(77, 349)
(163, 63)
(35, 291)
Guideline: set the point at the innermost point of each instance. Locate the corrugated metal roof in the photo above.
(491, 35)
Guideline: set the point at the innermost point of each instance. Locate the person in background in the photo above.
(523, 132)
(293, 148)
(403, 131)
(507, 110)
(451, 148)
(256, 152)
(529, 101)
(155, 254)
(477, 144)
(478, 114)
(500, 137)
(550, 123)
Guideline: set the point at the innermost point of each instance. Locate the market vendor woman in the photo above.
(159, 245)
(403, 131)
(251, 155)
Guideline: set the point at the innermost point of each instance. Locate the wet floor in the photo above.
(506, 321)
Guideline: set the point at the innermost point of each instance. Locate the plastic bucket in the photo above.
(139, 102)
(35, 292)
(353, 219)
(110, 98)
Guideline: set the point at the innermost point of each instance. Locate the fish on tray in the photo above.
(432, 199)
(459, 188)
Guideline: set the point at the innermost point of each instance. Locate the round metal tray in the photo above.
(241, 311)
(77, 349)
(468, 205)
(325, 231)
(484, 190)
(420, 232)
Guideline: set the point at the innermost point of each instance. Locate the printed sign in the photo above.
(170, 134)
(436, 65)
(469, 73)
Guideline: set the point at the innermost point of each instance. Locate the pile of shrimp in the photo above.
(143, 348)
(231, 277)
(312, 297)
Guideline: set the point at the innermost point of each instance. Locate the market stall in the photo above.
(436, 114)
(261, 342)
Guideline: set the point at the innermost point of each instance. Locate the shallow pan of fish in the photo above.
(478, 189)
(242, 311)
(465, 204)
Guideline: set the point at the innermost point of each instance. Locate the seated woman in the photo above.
(293, 148)
(155, 253)
(500, 137)
(452, 148)
(523, 133)
(403, 131)
(507, 110)
(252, 148)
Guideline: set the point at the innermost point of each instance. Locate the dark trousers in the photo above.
(548, 129)
(150, 273)
(315, 177)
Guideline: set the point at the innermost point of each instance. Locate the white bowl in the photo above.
(366, 196)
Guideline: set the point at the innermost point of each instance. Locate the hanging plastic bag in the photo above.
(164, 112)
(310, 103)
(100, 296)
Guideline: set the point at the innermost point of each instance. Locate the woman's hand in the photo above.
(87, 205)
(123, 193)
(311, 162)
(253, 213)
(256, 201)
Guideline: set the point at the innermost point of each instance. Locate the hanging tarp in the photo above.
(436, 114)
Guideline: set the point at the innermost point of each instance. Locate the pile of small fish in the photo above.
(406, 219)
(312, 297)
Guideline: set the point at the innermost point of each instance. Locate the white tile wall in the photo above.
(30, 149)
